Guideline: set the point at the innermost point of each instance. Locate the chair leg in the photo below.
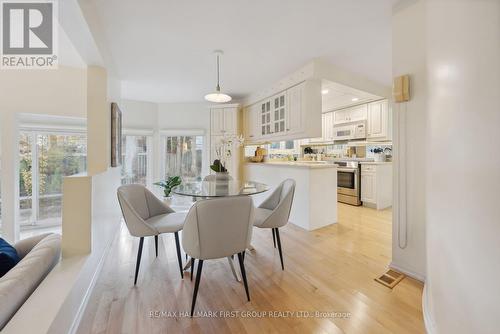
(279, 248)
(179, 257)
(192, 267)
(243, 274)
(274, 237)
(196, 285)
(139, 254)
(156, 245)
(244, 252)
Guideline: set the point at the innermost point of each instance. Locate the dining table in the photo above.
(217, 188)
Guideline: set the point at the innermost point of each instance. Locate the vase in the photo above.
(168, 200)
(222, 176)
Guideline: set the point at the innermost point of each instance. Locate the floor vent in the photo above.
(390, 279)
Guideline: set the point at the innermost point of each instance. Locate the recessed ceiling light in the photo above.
(354, 99)
(324, 91)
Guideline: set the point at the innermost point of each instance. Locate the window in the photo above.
(136, 159)
(45, 159)
(183, 156)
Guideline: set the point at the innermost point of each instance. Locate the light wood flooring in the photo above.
(329, 270)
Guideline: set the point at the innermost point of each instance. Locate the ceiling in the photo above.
(162, 50)
(336, 96)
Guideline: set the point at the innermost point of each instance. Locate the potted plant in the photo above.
(223, 152)
(168, 185)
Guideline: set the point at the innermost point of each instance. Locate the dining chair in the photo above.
(215, 229)
(145, 215)
(274, 212)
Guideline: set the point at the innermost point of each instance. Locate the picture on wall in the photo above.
(116, 135)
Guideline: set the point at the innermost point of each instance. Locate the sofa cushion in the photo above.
(8, 257)
(19, 283)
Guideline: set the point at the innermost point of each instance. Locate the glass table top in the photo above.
(220, 188)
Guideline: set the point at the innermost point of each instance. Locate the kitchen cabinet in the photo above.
(350, 115)
(379, 125)
(223, 120)
(292, 114)
(251, 122)
(376, 185)
(326, 129)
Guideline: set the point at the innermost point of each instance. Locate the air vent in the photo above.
(390, 279)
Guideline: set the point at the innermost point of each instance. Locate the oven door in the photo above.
(347, 181)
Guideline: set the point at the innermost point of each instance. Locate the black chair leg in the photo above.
(279, 248)
(274, 237)
(179, 257)
(192, 267)
(243, 274)
(196, 285)
(156, 245)
(244, 252)
(139, 254)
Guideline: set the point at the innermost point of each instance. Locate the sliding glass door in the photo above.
(136, 157)
(183, 156)
(45, 159)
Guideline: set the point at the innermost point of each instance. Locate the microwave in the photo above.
(351, 131)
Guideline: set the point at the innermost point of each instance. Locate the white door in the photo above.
(368, 187)
(294, 112)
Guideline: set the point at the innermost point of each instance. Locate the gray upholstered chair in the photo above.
(218, 228)
(39, 254)
(145, 215)
(274, 212)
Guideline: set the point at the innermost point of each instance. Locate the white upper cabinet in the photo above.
(251, 121)
(352, 114)
(292, 114)
(379, 121)
(223, 121)
(326, 129)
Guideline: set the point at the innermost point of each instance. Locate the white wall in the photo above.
(463, 213)
(452, 50)
(184, 116)
(408, 54)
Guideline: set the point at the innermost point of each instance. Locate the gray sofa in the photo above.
(38, 255)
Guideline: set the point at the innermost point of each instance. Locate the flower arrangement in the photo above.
(377, 150)
(224, 151)
(169, 184)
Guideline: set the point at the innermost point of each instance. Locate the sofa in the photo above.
(38, 254)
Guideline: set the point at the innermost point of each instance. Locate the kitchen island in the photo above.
(315, 201)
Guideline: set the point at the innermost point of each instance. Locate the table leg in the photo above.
(188, 264)
(235, 273)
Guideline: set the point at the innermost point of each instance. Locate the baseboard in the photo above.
(407, 272)
(81, 309)
(429, 323)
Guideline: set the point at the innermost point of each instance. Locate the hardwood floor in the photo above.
(328, 270)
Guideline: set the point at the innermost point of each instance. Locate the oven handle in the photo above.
(348, 170)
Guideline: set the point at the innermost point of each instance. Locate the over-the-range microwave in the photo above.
(350, 131)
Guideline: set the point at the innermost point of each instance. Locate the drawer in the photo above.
(368, 168)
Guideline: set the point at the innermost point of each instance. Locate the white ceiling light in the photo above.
(325, 91)
(217, 96)
(354, 99)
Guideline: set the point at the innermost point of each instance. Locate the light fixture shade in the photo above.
(218, 97)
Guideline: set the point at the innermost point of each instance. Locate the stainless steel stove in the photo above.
(349, 182)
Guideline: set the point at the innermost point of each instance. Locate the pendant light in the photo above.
(217, 96)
